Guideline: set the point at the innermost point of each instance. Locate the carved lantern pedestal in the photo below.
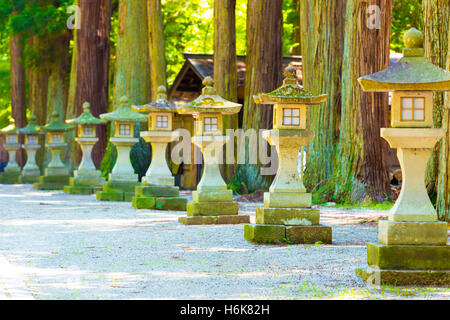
(158, 190)
(31, 171)
(287, 215)
(12, 172)
(86, 179)
(122, 180)
(212, 202)
(412, 244)
(56, 175)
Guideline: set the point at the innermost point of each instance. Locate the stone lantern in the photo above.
(12, 172)
(122, 180)
(87, 177)
(411, 246)
(212, 202)
(56, 175)
(158, 190)
(287, 214)
(31, 171)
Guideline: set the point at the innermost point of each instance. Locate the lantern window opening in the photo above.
(124, 129)
(210, 124)
(291, 117)
(88, 131)
(56, 137)
(162, 121)
(413, 109)
(12, 139)
(31, 139)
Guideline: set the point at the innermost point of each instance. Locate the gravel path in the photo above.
(58, 246)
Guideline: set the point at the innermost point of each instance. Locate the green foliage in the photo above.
(405, 15)
(246, 179)
(291, 20)
(5, 92)
(140, 155)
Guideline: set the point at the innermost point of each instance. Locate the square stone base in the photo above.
(288, 216)
(408, 257)
(228, 219)
(212, 196)
(212, 208)
(84, 190)
(412, 233)
(277, 234)
(114, 196)
(10, 177)
(29, 179)
(405, 277)
(287, 200)
(52, 182)
(156, 191)
(161, 203)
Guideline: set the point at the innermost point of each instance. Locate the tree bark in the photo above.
(361, 171)
(322, 42)
(263, 74)
(436, 16)
(18, 104)
(225, 63)
(91, 61)
(157, 50)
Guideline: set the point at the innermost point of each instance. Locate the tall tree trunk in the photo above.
(132, 74)
(225, 63)
(322, 42)
(18, 104)
(92, 65)
(436, 16)
(263, 74)
(157, 50)
(361, 171)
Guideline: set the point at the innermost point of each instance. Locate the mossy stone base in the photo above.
(276, 234)
(408, 257)
(52, 182)
(412, 233)
(405, 277)
(120, 186)
(29, 179)
(10, 177)
(212, 196)
(78, 190)
(288, 216)
(212, 208)
(199, 220)
(156, 191)
(163, 203)
(287, 200)
(110, 196)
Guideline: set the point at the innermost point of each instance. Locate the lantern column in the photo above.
(122, 180)
(212, 202)
(412, 244)
(56, 175)
(87, 179)
(12, 172)
(287, 215)
(31, 171)
(158, 190)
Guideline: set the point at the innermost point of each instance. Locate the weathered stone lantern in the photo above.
(56, 175)
(158, 190)
(287, 214)
(87, 177)
(31, 171)
(212, 202)
(411, 246)
(122, 180)
(12, 172)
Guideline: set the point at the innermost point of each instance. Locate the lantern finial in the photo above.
(413, 38)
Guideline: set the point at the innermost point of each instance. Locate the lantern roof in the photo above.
(86, 118)
(56, 124)
(124, 113)
(290, 92)
(161, 104)
(412, 72)
(210, 102)
(11, 128)
(32, 127)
